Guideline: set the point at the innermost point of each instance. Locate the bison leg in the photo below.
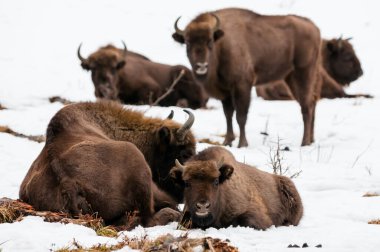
(228, 109)
(242, 101)
(255, 220)
(303, 84)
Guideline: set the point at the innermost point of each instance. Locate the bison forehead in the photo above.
(199, 30)
(105, 57)
(200, 170)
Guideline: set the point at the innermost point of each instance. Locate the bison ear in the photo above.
(164, 135)
(120, 65)
(179, 38)
(332, 47)
(218, 34)
(225, 172)
(176, 174)
(85, 66)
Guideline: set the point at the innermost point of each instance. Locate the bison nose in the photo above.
(202, 65)
(360, 72)
(204, 205)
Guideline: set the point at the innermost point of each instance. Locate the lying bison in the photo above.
(340, 67)
(97, 158)
(219, 192)
(133, 79)
(232, 49)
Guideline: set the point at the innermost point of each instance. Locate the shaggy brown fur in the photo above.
(96, 159)
(135, 80)
(232, 49)
(219, 192)
(340, 66)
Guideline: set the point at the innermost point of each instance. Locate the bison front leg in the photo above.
(228, 109)
(242, 101)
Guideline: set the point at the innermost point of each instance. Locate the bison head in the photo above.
(203, 182)
(104, 65)
(342, 63)
(199, 37)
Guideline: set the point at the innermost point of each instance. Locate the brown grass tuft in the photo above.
(38, 138)
(59, 99)
(163, 243)
(369, 194)
(377, 222)
(209, 141)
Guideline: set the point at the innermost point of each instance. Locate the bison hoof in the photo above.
(243, 144)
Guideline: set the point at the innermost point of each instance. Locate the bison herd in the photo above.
(102, 158)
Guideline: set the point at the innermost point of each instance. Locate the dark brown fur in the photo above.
(340, 67)
(97, 158)
(133, 79)
(233, 193)
(249, 49)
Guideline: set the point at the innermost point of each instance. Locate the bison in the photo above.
(99, 157)
(340, 67)
(232, 49)
(134, 79)
(220, 191)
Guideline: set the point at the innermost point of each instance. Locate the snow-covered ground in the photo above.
(38, 59)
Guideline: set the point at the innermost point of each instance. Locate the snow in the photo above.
(38, 59)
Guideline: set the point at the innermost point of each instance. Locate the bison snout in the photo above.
(201, 68)
(203, 208)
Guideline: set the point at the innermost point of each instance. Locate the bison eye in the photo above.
(187, 184)
(216, 182)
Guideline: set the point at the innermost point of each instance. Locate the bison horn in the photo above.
(217, 25)
(348, 39)
(220, 163)
(179, 165)
(181, 133)
(170, 116)
(78, 53)
(177, 30)
(125, 48)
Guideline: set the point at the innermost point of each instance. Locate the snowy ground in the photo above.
(38, 59)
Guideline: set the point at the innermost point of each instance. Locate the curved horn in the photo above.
(348, 39)
(217, 25)
(177, 30)
(220, 163)
(78, 53)
(125, 47)
(170, 116)
(179, 165)
(186, 126)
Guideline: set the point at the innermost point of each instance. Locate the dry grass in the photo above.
(369, 194)
(377, 222)
(161, 244)
(209, 141)
(14, 210)
(59, 99)
(38, 138)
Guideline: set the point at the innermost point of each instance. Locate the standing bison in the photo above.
(219, 192)
(99, 157)
(134, 79)
(232, 49)
(340, 67)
